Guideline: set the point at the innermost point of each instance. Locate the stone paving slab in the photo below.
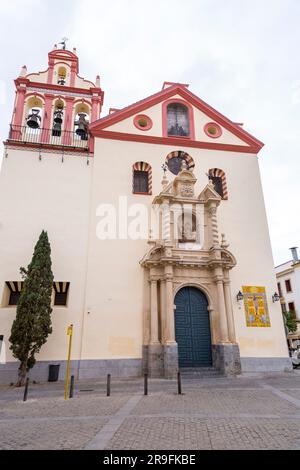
(50, 434)
(292, 392)
(215, 401)
(51, 407)
(213, 413)
(192, 433)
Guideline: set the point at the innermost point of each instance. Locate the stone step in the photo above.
(199, 372)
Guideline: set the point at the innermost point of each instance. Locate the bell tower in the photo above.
(53, 108)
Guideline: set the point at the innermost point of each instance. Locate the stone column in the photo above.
(155, 353)
(226, 354)
(229, 312)
(170, 347)
(170, 325)
(154, 312)
(214, 225)
(223, 333)
(163, 309)
(166, 221)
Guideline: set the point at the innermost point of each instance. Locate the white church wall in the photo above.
(242, 218)
(54, 196)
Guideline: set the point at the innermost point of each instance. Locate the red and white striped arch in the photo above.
(179, 153)
(143, 166)
(221, 174)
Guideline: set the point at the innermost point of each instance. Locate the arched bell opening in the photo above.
(58, 118)
(62, 76)
(34, 110)
(82, 119)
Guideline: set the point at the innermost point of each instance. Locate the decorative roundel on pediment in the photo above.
(174, 161)
(213, 130)
(143, 122)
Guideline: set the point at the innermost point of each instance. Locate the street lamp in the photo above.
(239, 296)
(275, 297)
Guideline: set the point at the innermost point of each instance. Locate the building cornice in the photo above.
(173, 141)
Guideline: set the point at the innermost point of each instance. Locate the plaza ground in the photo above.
(213, 413)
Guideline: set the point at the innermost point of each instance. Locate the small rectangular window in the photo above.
(13, 292)
(291, 307)
(140, 182)
(288, 285)
(61, 291)
(279, 289)
(283, 308)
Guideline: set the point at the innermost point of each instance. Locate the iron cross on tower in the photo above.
(63, 43)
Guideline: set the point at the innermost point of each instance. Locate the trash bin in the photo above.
(53, 372)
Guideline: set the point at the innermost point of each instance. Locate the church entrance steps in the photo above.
(199, 372)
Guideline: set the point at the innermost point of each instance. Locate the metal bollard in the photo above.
(26, 390)
(108, 386)
(179, 383)
(72, 387)
(146, 384)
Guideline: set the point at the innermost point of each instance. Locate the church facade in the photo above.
(155, 214)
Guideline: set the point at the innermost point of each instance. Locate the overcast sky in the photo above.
(240, 56)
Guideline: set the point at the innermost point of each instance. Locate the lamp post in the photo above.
(70, 334)
(239, 296)
(275, 297)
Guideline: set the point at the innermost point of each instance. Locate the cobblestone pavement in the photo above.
(213, 413)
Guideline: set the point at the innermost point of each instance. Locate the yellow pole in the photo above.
(70, 334)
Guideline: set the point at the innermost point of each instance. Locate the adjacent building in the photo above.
(288, 285)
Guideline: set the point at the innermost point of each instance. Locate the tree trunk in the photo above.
(22, 374)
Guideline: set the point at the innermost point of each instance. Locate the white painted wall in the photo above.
(55, 196)
(242, 218)
(50, 195)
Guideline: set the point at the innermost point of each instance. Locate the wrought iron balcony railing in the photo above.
(41, 136)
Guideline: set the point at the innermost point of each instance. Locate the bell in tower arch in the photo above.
(34, 119)
(57, 122)
(82, 126)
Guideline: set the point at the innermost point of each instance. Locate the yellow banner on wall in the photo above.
(256, 306)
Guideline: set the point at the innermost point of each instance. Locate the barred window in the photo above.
(61, 290)
(217, 181)
(14, 291)
(218, 178)
(140, 183)
(142, 178)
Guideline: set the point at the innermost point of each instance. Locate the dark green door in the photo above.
(192, 328)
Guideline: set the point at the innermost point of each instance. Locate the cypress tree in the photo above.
(32, 325)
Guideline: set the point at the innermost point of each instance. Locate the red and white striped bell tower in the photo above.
(53, 108)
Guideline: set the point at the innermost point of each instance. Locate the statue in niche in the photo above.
(187, 231)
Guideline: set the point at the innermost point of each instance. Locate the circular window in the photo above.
(143, 122)
(213, 130)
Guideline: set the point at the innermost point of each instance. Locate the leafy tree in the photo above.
(32, 325)
(290, 321)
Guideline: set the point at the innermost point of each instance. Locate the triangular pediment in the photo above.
(124, 124)
(209, 194)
